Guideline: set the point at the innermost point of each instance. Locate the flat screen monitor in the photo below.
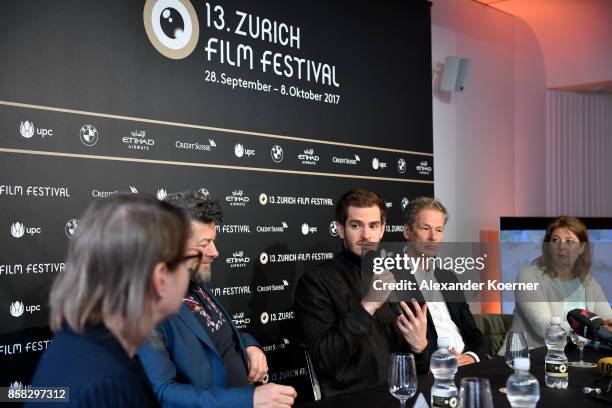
(528, 233)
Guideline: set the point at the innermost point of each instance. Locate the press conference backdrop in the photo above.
(274, 108)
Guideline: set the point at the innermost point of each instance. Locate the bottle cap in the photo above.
(521, 363)
(444, 342)
(555, 320)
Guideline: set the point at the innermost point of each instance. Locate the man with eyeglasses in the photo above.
(204, 360)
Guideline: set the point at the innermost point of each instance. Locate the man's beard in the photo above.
(201, 275)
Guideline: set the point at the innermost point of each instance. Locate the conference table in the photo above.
(497, 372)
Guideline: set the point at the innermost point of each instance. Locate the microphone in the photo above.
(589, 325)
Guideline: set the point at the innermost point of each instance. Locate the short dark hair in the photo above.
(360, 198)
(198, 206)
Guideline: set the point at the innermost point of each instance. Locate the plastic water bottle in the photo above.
(444, 367)
(523, 390)
(556, 362)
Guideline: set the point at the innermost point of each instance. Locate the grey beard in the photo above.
(199, 276)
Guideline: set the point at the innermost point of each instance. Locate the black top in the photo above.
(96, 369)
(351, 349)
(215, 322)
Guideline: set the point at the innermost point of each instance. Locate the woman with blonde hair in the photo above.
(126, 270)
(565, 282)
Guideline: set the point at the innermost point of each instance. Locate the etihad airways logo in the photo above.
(424, 168)
(241, 320)
(237, 199)
(238, 260)
(308, 158)
(27, 130)
(138, 140)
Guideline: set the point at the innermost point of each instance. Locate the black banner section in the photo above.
(274, 108)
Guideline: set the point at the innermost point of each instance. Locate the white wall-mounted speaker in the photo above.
(454, 74)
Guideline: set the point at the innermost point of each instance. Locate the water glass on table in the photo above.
(580, 342)
(402, 377)
(516, 346)
(475, 393)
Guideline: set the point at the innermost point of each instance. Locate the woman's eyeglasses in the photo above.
(193, 262)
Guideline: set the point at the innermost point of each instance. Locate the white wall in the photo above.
(574, 36)
(489, 140)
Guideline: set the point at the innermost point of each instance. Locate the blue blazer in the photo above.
(186, 370)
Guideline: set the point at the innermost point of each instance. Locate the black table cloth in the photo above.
(497, 372)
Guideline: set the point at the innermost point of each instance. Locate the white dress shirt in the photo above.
(445, 326)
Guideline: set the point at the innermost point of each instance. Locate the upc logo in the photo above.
(16, 308)
(161, 194)
(240, 150)
(26, 129)
(17, 229)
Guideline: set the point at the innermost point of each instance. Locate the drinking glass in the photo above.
(516, 346)
(402, 377)
(475, 393)
(579, 342)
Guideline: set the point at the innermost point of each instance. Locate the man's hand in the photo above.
(413, 328)
(462, 359)
(375, 299)
(274, 396)
(258, 364)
